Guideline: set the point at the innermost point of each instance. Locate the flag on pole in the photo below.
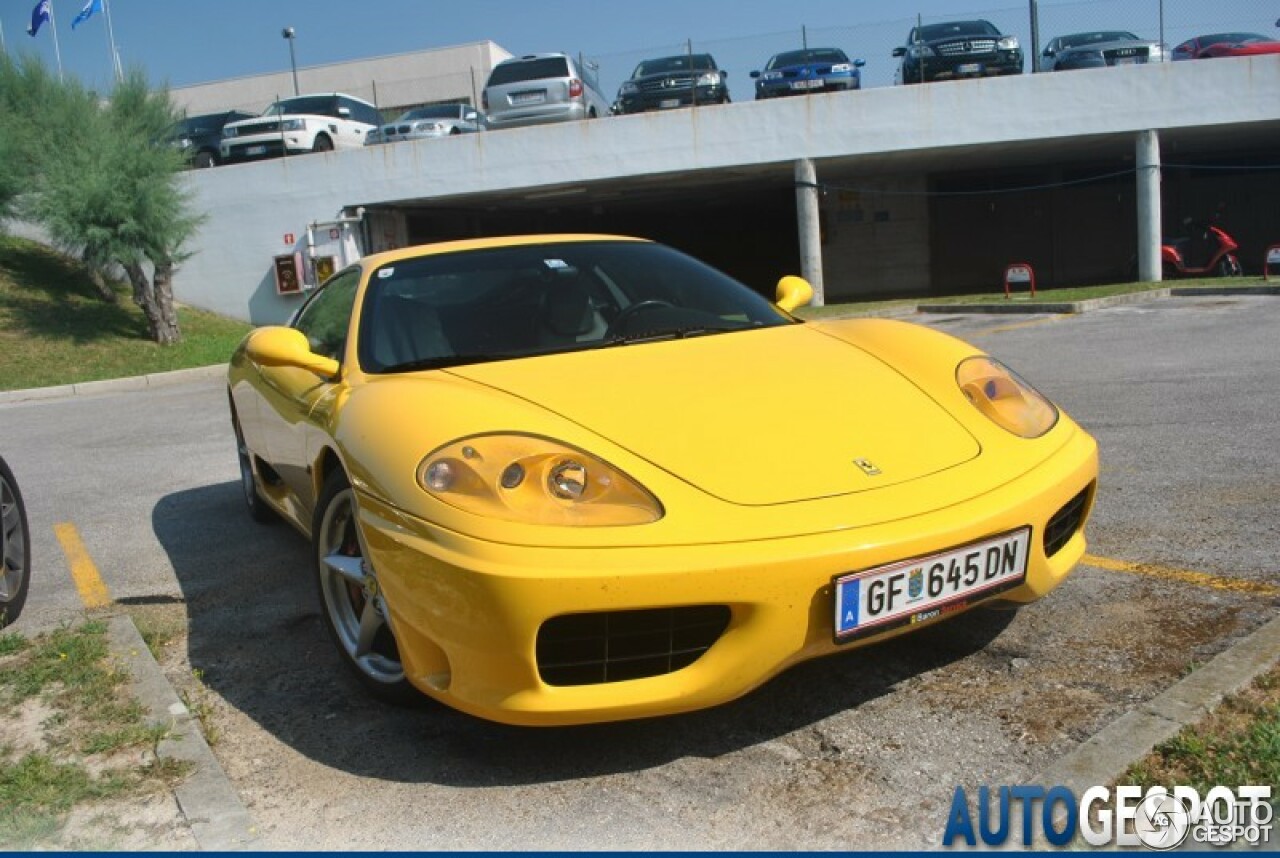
(39, 15)
(89, 8)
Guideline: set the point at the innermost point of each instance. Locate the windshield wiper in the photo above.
(665, 334)
(448, 361)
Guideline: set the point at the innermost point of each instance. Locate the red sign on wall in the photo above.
(288, 238)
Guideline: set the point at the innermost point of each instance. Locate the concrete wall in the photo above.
(422, 77)
(251, 207)
(875, 240)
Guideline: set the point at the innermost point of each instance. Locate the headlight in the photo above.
(918, 51)
(534, 480)
(771, 75)
(294, 125)
(997, 392)
(709, 79)
(842, 67)
(628, 87)
(184, 143)
(228, 132)
(1008, 43)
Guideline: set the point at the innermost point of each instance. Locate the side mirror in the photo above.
(793, 293)
(857, 64)
(899, 51)
(755, 74)
(280, 346)
(724, 73)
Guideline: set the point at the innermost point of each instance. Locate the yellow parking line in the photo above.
(1000, 329)
(93, 590)
(1186, 576)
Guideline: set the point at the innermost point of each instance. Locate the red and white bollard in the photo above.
(1018, 273)
(1272, 258)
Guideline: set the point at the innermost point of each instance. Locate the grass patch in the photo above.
(56, 329)
(1046, 296)
(66, 682)
(1238, 743)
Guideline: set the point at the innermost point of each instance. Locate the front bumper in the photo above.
(260, 146)
(807, 85)
(948, 68)
(466, 612)
(665, 99)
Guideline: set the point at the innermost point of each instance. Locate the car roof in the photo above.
(375, 260)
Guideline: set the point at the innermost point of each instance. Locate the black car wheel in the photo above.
(259, 511)
(205, 159)
(322, 144)
(15, 548)
(351, 601)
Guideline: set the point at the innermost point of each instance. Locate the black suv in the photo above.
(676, 81)
(198, 137)
(957, 49)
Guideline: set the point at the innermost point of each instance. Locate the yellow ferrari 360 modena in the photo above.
(572, 478)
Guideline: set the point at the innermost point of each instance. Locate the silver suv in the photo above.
(541, 88)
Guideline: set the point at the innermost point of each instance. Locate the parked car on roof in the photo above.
(1226, 45)
(421, 123)
(1099, 49)
(675, 81)
(198, 137)
(305, 123)
(541, 88)
(808, 70)
(957, 49)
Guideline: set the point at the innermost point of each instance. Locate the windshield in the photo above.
(518, 71)
(439, 111)
(315, 104)
(813, 55)
(510, 302)
(665, 65)
(932, 32)
(1097, 38)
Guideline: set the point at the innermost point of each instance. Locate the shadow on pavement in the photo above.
(257, 637)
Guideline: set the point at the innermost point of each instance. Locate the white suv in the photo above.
(305, 123)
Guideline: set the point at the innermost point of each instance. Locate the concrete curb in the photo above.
(1063, 307)
(114, 385)
(1107, 754)
(219, 821)
(1192, 291)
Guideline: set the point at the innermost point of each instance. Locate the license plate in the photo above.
(256, 150)
(912, 591)
(668, 103)
(806, 84)
(528, 97)
(969, 68)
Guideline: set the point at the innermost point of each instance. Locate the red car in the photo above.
(1226, 45)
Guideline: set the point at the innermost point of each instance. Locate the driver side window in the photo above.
(326, 318)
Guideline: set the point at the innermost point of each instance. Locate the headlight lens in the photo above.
(771, 75)
(628, 87)
(1008, 43)
(999, 393)
(842, 67)
(294, 125)
(709, 79)
(229, 132)
(535, 480)
(918, 51)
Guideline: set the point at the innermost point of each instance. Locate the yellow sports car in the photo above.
(571, 478)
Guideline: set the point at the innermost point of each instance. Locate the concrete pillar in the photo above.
(1148, 162)
(810, 230)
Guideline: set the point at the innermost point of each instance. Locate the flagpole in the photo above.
(4, 49)
(111, 39)
(57, 50)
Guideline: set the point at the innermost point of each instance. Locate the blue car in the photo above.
(809, 70)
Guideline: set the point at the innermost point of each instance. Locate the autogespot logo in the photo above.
(1159, 819)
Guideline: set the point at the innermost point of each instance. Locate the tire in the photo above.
(205, 159)
(259, 510)
(455, 130)
(1229, 266)
(322, 144)
(352, 604)
(15, 548)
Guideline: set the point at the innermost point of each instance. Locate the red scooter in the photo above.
(1205, 251)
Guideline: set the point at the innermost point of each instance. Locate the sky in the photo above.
(184, 42)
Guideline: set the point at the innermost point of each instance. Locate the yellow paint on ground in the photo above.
(1186, 576)
(93, 590)
(1014, 326)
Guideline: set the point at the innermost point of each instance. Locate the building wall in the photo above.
(875, 237)
(449, 74)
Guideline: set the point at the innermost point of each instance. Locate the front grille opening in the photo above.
(613, 646)
(1066, 522)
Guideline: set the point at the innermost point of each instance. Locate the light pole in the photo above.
(289, 35)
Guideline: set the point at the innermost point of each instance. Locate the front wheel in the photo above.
(1229, 266)
(15, 548)
(352, 603)
(322, 144)
(259, 511)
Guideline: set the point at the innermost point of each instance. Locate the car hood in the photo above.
(761, 417)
